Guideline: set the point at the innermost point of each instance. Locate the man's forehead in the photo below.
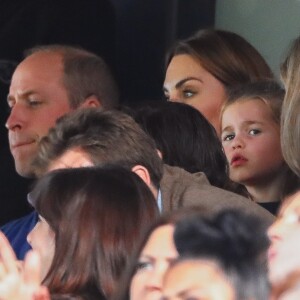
(39, 63)
(73, 158)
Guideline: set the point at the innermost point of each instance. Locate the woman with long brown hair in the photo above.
(90, 222)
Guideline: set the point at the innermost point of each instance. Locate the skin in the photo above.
(20, 283)
(37, 97)
(76, 158)
(251, 141)
(72, 158)
(156, 257)
(197, 280)
(283, 254)
(188, 82)
(42, 239)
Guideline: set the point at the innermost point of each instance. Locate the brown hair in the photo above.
(97, 215)
(106, 137)
(267, 91)
(290, 126)
(224, 54)
(85, 75)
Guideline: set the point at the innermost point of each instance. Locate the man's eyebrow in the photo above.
(22, 94)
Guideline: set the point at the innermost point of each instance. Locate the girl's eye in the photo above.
(254, 131)
(228, 137)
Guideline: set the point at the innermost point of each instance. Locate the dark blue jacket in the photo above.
(17, 230)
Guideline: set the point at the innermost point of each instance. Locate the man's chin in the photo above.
(25, 169)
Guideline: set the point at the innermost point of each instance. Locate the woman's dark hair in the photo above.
(185, 139)
(226, 55)
(172, 218)
(235, 241)
(97, 215)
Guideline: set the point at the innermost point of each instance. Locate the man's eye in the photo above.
(254, 131)
(34, 102)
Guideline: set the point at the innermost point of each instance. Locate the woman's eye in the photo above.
(143, 265)
(254, 131)
(188, 93)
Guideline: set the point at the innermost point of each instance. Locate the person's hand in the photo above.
(20, 282)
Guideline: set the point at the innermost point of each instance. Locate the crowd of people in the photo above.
(197, 197)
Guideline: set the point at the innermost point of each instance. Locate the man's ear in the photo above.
(143, 173)
(91, 101)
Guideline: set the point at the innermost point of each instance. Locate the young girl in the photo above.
(251, 140)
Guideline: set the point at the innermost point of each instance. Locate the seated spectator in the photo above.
(203, 68)
(243, 260)
(251, 141)
(90, 220)
(51, 81)
(185, 139)
(290, 133)
(223, 257)
(94, 137)
(143, 279)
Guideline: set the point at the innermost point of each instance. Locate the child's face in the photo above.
(251, 141)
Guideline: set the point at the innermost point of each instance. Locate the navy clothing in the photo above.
(17, 230)
(272, 207)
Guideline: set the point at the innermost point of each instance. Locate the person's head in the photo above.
(49, 82)
(196, 279)
(91, 221)
(95, 137)
(290, 132)
(185, 139)
(250, 136)
(283, 255)
(202, 68)
(230, 247)
(153, 257)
